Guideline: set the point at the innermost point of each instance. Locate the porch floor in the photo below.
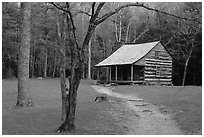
(126, 82)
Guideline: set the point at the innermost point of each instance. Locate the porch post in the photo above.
(98, 73)
(107, 71)
(116, 73)
(132, 72)
(110, 73)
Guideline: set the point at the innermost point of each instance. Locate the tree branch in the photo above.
(84, 13)
(169, 14)
(107, 15)
(73, 30)
(92, 8)
(59, 7)
(92, 11)
(168, 41)
(98, 10)
(141, 34)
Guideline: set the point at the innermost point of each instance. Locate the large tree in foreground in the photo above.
(77, 51)
(23, 56)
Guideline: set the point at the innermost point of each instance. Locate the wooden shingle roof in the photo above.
(128, 54)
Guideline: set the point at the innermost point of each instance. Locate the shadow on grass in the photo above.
(44, 117)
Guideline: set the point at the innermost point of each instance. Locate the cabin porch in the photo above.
(125, 74)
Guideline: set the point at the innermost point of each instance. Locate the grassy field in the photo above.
(44, 117)
(184, 103)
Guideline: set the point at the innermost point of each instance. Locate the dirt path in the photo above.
(150, 120)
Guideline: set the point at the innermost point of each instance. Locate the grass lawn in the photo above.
(44, 117)
(184, 103)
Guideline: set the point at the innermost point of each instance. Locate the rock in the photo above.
(100, 98)
(142, 104)
(146, 110)
(107, 85)
(137, 115)
(137, 100)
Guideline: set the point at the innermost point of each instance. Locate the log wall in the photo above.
(158, 66)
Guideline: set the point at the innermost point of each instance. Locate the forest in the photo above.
(64, 40)
(181, 36)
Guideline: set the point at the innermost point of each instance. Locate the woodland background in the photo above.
(182, 38)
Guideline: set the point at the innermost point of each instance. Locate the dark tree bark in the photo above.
(63, 77)
(61, 39)
(74, 80)
(24, 53)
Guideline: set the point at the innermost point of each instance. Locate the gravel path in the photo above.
(150, 120)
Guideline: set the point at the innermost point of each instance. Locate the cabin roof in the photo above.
(128, 54)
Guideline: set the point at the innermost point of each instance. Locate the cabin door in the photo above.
(123, 72)
(138, 73)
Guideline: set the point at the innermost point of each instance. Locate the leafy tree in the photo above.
(44, 47)
(10, 42)
(187, 34)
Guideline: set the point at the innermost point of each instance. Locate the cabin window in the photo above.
(158, 71)
(156, 54)
(162, 71)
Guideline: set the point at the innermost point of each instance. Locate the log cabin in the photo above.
(146, 63)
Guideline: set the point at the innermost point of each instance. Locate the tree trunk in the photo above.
(127, 33)
(24, 53)
(62, 38)
(116, 32)
(33, 63)
(31, 66)
(63, 90)
(194, 72)
(45, 65)
(39, 67)
(120, 30)
(54, 67)
(83, 26)
(49, 68)
(186, 66)
(89, 61)
(74, 80)
(63, 81)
